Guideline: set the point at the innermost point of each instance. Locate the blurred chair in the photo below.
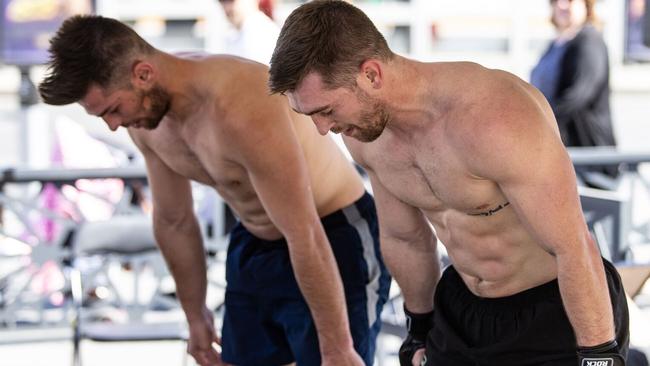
(607, 216)
(126, 242)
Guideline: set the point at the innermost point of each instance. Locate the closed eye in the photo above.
(115, 110)
(327, 113)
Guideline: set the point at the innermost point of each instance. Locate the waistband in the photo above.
(453, 282)
(365, 205)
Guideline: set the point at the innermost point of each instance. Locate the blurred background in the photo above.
(75, 273)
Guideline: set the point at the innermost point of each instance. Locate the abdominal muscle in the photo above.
(254, 218)
(496, 257)
(341, 188)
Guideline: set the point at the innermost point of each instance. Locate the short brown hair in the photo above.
(330, 37)
(89, 49)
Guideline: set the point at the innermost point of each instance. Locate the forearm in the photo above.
(182, 248)
(416, 268)
(585, 295)
(319, 280)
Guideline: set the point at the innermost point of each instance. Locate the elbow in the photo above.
(163, 223)
(304, 235)
(591, 245)
(584, 246)
(421, 243)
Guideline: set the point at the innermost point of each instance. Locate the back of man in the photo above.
(303, 210)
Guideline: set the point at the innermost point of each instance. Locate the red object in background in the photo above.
(266, 6)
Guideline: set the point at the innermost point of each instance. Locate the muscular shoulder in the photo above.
(503, 113)
(238, 88)
(234, 79)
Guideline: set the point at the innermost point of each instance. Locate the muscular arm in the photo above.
(270, 151)
(409, 248)
(523, 154)
(177, 233)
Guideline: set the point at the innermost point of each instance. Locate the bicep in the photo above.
(271, 154)
(171, 192)
(539, 182)
(397, 219)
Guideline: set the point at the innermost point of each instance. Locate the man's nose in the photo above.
(112, 122)
(323, 125)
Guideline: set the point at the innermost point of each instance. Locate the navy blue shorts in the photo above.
(267, 321)
(529, 328)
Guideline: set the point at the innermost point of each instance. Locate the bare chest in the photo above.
(201, 156)
(434, 179)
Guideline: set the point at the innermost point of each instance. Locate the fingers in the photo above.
(418, 357)
(207, 356)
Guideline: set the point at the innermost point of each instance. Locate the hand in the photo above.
(606, 354)
(347, 358)
(419, 358)
(202, 339)
(411, 353)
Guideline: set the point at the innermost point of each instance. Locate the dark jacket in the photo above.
(581, 101)
(582, 97)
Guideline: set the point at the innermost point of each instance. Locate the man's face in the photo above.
(127, 107)
(351, 112)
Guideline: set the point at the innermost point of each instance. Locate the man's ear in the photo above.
(142, 74)
(372, 73)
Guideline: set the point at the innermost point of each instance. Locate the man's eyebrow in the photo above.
(103, 112)
(319, 109)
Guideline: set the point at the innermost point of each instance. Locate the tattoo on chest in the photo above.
(491, 211)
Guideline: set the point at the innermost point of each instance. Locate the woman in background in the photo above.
(573, 74)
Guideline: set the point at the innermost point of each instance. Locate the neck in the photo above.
(569, 32)
(177, 77)
(410, 99)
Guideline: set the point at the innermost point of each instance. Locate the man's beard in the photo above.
(159, 103)
(373, 120)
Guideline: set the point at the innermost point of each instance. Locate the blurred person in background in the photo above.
(573, 75)
(252, 33)
(636, 16)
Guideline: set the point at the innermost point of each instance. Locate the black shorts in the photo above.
(525, 329)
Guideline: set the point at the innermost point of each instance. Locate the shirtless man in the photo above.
(475, 153)
(211, 120)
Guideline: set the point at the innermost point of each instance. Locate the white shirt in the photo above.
(255, 40)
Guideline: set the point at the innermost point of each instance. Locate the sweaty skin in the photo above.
(224, 130)
(460, 141)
